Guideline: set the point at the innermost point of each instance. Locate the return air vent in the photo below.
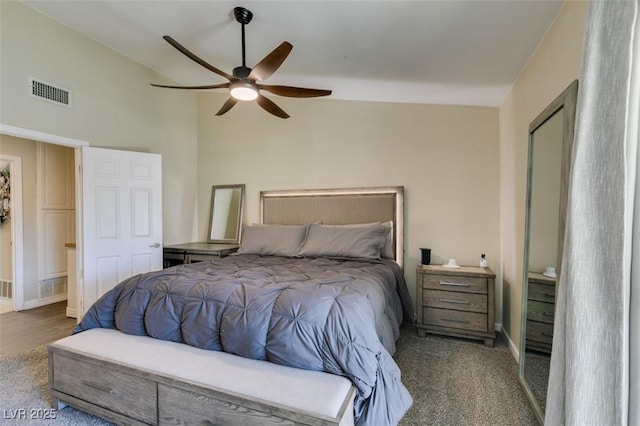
(47, 92)
(5, 289)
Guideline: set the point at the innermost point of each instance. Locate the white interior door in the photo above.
(122, 219)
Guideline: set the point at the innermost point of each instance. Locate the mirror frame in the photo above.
(567, 101)
(239, 218)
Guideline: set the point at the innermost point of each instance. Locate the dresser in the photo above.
(195, 252)
(456, 302)
(541, 298)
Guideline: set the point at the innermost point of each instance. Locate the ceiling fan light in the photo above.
(244, 91)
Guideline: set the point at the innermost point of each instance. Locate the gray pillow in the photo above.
(387, 250)
(362, 241)
(272, 240)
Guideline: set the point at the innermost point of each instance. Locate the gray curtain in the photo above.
(595, 365)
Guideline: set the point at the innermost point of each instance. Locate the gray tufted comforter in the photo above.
(334, 315)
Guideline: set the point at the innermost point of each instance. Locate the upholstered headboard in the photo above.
(338, 207)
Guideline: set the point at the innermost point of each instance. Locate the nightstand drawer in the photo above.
(540, 332)
(541, 292)
(455, 283)
(194, 258)
(455, 319)
(540, 311)
(456, 300)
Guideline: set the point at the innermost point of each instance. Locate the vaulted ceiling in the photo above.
(442, 52)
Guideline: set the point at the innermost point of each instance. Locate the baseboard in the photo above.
(6, 306)
(30, 304)
(72, 312)
(514, 349)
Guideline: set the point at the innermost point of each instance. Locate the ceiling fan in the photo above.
(243, 83)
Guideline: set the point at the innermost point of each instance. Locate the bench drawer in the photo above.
(106, 387)
(180, 406)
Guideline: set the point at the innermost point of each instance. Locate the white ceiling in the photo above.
(442, 52)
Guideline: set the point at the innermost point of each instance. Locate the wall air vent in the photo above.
(45, 91)
(5, 289)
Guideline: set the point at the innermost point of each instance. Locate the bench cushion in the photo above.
(312, 391)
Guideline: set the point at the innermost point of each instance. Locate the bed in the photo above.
(317, 285)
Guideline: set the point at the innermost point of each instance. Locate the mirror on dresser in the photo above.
(225, 226)
(225, 220)
(550, 147)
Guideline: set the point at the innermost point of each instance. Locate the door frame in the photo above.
(17, 225)
(15, 169)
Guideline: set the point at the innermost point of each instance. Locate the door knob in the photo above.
(155, 245)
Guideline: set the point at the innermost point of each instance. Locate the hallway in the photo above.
(24, 330)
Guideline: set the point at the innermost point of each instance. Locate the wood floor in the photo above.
(24, 330)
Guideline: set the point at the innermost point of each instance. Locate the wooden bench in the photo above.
(139, 380)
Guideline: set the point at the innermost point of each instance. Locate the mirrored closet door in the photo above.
(550, 147)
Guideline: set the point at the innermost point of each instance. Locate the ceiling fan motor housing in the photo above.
(241, 71)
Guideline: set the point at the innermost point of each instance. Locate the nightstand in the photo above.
(195, 252)
(541, 295)
(456, 302)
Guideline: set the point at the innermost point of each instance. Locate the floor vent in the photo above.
(5, 289)
(47, 92)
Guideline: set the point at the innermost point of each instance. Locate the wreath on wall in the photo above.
(5, 195)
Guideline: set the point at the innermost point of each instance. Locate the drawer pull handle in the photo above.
(547, 335)
(454, 284)
(458, 302)
(550, 294)
(98, 387)
(455, 320)
(548, 314)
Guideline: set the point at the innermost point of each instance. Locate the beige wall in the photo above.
(112, 103)
(555, 64)
(446, 158)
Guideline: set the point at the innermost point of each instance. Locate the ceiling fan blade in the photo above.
(271, 62)
(227, 105)
(194, 58)
(294, 92)
(210, 86)
(269, 106)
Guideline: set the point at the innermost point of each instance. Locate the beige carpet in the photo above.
(452, 381)
(461, 382)
(24, 393)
